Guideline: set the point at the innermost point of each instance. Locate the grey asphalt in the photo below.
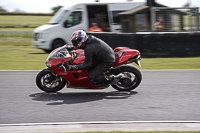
(164, 95)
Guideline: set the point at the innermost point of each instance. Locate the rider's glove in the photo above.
(69, 48)
(73, 68)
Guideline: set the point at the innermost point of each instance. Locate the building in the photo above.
(147, 19)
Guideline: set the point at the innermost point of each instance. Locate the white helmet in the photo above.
(78, 38)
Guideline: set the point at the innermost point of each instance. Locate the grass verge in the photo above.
(29, 58)
(22, 21)
(171, 63)
(148, 132)
(21, 58)
(19, 37)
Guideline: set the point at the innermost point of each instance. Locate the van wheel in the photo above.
(47, 51)
(57, 44)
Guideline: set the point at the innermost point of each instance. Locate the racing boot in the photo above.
(113, 79)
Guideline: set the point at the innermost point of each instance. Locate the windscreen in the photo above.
(61, 52)
(58, 16)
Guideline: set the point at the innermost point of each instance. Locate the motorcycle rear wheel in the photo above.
(131, 78)
(48, 82)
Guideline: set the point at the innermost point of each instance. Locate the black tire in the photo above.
(130, 80)
(48, 82)
(57, 43)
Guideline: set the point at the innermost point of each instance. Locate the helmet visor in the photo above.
(76, 42)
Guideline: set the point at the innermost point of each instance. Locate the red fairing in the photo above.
(55, 62)
(124, 54)
(80, 58)
(77, 79)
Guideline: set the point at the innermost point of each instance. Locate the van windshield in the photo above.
(58, 17)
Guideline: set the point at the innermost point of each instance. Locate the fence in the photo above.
(174, 44)
(174, 19)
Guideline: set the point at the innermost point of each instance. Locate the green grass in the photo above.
(14, 57)
(21, 21)
(17, 28)
(171, 63)
(16, 38)
(22, 58)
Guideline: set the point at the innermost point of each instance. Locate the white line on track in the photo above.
(96, 122)
(63, 127)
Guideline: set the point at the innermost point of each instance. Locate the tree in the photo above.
(55, 9)
(186, 5)
(2, 9)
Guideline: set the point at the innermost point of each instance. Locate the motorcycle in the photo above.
(56, 75)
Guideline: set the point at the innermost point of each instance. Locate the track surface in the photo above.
(164, 95)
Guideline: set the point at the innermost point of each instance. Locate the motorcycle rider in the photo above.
(96, 49)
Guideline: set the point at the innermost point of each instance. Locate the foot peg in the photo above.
(115, 79)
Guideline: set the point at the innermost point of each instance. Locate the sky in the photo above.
(44, 6)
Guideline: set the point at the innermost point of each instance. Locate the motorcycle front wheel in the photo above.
(49, 82)
(130, 78)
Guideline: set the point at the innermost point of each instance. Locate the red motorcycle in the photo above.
(56, 76)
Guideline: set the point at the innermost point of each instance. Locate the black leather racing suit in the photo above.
(98, 50)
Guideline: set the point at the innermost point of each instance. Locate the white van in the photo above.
(79, 17)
